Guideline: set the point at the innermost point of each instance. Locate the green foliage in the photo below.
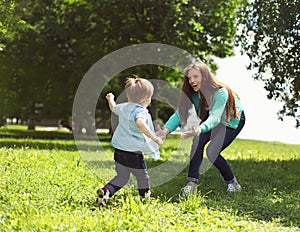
(9, 22)
(44, 64)
(45, 186)
(270, 37)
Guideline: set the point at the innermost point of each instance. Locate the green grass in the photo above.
(46, 186)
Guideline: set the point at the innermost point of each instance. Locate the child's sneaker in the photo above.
(233, 187)
(146, 197)
(189, 189)
(103, 196)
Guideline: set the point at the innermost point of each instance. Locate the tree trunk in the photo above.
(31, 124)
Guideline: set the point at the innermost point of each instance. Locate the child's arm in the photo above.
(140, 122)
(111, 101)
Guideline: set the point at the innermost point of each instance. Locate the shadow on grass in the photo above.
(51, 140)
(15, 133)
(51, 145)
(270, 190)
(49, 135)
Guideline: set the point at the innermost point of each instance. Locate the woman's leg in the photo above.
(222, 137)
(196, 156)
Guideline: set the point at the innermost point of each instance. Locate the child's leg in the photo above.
(114, 185)
(141, 173)
(119, 180)
(122, 170)
(143, 181)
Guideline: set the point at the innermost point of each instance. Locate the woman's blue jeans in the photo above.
(220, 138)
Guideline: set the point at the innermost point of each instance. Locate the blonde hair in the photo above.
(138, 89)
(209, 85)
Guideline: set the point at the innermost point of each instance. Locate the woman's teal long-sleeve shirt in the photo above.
(217, 113)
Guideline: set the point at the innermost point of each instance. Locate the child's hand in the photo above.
(110, 96)
(161, 133)
(111, 101)
(158, 140)
(191, 132)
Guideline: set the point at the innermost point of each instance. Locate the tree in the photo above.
(9, 26)
(63, 38)
(203, 28)
(270, 36)
(9, 22)
(45, 62)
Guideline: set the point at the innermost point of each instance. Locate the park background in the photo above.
(46, 47)
(262, 120)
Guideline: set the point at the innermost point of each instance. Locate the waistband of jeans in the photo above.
(130, 152)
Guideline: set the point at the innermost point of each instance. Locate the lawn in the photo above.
(46, 184)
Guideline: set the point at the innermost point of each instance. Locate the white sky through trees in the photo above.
(261, 113)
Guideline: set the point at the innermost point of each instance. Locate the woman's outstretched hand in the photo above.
(191, 132)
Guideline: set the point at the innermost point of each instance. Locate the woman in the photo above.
(222, 119)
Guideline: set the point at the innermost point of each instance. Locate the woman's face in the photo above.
(195, 79)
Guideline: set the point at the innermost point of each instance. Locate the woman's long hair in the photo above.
(209, 85)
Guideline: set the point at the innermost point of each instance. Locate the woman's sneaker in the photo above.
(189, 189)
(102, 196)
(234, 187)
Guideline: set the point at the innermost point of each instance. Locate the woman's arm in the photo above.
(217, 110)
(172, 123)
